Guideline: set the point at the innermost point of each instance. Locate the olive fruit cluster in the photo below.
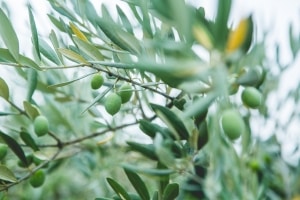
(37, 179)
(232, 124)
(41, 125)
(114, 100)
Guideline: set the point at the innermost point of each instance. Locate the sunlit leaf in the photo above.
(73, 55)
(31, 110)
(77, 32)
(6, 174)
(15, 147)
(4, 90)
(9, 35)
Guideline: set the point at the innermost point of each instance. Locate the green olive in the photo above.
(3, 151)
(251, 97)
(41, 125)
(37, 179)
(232, 124)
(125, 92)
(112, 103)
(97, 81)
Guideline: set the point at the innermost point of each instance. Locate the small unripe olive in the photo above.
(41, 125)
(125, 92)
(112, 103)
(37, 179)
(3, 150)
(97, 81)
(232, 124)
(251, 97)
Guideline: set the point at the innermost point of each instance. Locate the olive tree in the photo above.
(158, 102)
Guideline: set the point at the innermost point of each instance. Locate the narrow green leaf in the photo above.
(221, 29)
(48, 52)
(155, 196)
(4, 90)
(34, 33)
(73, 55)
(9, 35)
(6, 174)
(173, 122)
(152, 172)
(15, 147)
(28, 140)
(121, 192)
(103, 198)
(118, 36)
(31, 110)
(200, 106)
(171, 191)
(7, 113)
(25, 61)
(97, 99)
(138, 184)
(55, 44)
(145, 149)
(88, 49)
(125, 21)
(63, 10)
(32, 78)
(69, 82)
(6, 56)
(58, 23)
(163, 153)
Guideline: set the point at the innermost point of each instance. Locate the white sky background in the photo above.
(273, 16)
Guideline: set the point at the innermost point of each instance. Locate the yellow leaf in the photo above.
(203, 36)
(72, 55)
(237, 36)
(105, 140)
(77, 32)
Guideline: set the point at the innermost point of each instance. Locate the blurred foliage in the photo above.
(166, 141)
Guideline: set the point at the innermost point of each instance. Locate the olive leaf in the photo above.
(4, 90)
(15, 147)
(6, 174)
(9, 35)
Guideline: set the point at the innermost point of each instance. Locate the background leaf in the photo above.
(4, 90)
(15, 147)
(6, 174)
(138, 184)
(171, 191)
(35, 39)
(9, 35)
(121, 192)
